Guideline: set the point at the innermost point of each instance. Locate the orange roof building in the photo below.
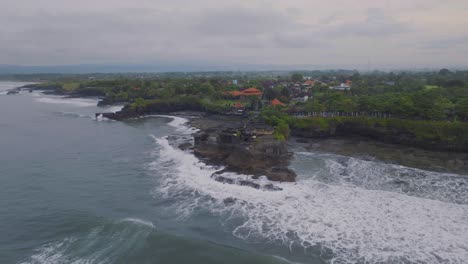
(277, 102)
(309, 83)
(252, 91)
(235, 93)
(246, 92)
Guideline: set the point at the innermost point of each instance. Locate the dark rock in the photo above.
(12, 92)
(250, 184)
(185, 146)
(229, 201)
(302, 140)
(223, 179)
(271, 187)
(247, 183)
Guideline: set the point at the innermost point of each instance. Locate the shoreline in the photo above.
(438, 156)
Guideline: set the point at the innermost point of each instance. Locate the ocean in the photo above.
(80, 189)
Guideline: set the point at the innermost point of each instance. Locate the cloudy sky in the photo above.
(334, 33)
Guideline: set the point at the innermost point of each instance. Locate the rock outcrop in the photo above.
(246, 151)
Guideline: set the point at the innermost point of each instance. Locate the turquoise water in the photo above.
(80, 190)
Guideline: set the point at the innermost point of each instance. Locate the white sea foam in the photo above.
(112, 109)
(374, 175)
(78, 102)
(106, 243)
(139, 221)
(71, 114)
(356, 224)
(180, 124)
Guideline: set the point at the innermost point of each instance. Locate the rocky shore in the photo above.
(242, 145)
(238, 143)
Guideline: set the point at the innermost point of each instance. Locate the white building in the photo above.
(302, 99)
(341, 87)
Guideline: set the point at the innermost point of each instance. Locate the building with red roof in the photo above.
(277, 102)
(252, 91)
(309, 83)
(247, 92)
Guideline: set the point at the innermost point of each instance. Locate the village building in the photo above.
(309, 83)
(341, 87)
(246, 93)
(277, 102)
(301, 99)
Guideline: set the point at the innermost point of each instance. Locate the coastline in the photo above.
(212, 123)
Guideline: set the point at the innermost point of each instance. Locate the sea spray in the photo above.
(77, 102)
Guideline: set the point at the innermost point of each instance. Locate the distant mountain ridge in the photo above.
(175, 67)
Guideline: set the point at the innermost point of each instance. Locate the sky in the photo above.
(326, 33)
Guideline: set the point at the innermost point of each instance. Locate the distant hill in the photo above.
(161, 67)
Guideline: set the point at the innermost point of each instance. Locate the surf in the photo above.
(356, 223)
(77, 102)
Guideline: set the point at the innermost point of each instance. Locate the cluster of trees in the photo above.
(430, 96)
(441, 95)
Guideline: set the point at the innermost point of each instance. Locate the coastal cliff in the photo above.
(430, 135)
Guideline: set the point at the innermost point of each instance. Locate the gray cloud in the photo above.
(254, 31)
(242, 21)
(375, 24)
(444, 42)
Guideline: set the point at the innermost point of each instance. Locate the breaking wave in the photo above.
(180, 124)
(71, 114)
(78, 102)
(112, 109)
(374, 175)
(356, 222)
(107, 243)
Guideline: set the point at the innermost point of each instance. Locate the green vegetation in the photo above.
(421, 133)
(430, 107)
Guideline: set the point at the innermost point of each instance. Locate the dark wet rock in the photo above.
(223, 179)
(271, 187)
(302, 140)
(185, 146)
(249, 184)
(246, 182)
(229, 201)
(11, 92)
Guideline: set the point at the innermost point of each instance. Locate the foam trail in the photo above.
(357, 225)
(113, 109)
(107, 243)
(71, 114)
(78, 102)
(180, 124)
(139, 221)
